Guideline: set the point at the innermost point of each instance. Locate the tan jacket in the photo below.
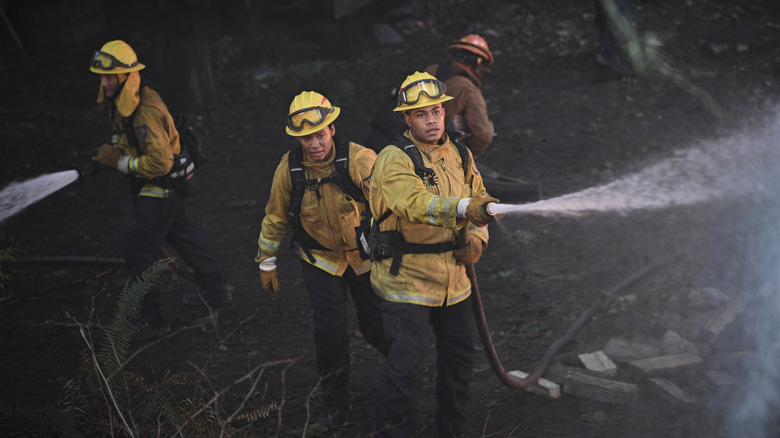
(423, 214)
(327, 214)
(157, 138)
(469, 105)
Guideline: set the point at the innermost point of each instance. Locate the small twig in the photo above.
(140, 349)
(103, 379)
(243, 401)
(284, 397)
(308, 405)
(246, 376)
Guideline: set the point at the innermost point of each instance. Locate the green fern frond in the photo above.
(116, 345)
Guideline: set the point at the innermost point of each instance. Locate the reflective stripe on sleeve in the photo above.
(157, 192)
(267, 246)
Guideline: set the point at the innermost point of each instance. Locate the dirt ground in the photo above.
(562, 121)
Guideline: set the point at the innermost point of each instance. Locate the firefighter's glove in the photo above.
(270, 281)
(268, 276)
(477, 212)
(469, 254)
(108, 155)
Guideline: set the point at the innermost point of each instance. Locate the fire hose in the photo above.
(552, 350)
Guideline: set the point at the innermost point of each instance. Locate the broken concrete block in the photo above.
(557, 372)
(599, 362)
(670, 362)
(625, 351)
(670, 392)
(673, 343)
(542, 387)
(726, 316)
(586, 386)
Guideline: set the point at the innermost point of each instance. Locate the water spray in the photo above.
(738, 167)
(19, 195)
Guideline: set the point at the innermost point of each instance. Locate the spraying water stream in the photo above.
(741, 167)
(21, 194)
(715, 170)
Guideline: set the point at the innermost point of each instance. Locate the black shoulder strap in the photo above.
(405, 144)
(341, 177)
(456, 137)
(298, 178)
(342, 167)
(391, 243)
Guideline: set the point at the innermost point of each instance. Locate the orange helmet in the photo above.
(475, 44)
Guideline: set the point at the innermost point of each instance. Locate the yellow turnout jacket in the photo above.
(154, 128)
(423, 214)
(327, 213)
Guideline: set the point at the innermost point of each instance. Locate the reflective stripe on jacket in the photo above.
(423, 214)
(327, 213)
(468, 103)
(157, 138)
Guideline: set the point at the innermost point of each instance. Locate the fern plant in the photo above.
(116, 343)
(105, 398)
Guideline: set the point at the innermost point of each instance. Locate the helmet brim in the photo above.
(114, 71)
(423, 102)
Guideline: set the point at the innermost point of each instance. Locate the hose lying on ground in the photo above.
(552, 350)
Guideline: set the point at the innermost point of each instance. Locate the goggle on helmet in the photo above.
(422, 92)
(311, 116)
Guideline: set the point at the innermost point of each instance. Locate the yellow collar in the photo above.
(129, 97)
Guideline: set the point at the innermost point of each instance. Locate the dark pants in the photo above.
(406, 326)
(328, 295)
(158, 220)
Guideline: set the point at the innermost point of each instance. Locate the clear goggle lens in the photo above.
(312, 116)
(411, 94)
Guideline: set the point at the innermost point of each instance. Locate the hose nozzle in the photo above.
(88, 169)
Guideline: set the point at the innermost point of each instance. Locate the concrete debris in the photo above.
(663, 364)
(670, 392)
(684, 351)
(595, 388)
(542, 387)
(625, 351)
(599, 362)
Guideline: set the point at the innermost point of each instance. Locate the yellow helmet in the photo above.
(419, 90)
(309, 112)
(115, 57)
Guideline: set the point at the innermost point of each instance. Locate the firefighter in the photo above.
(143, 145)
(319, 190)
(421, 277)
(467, 111)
